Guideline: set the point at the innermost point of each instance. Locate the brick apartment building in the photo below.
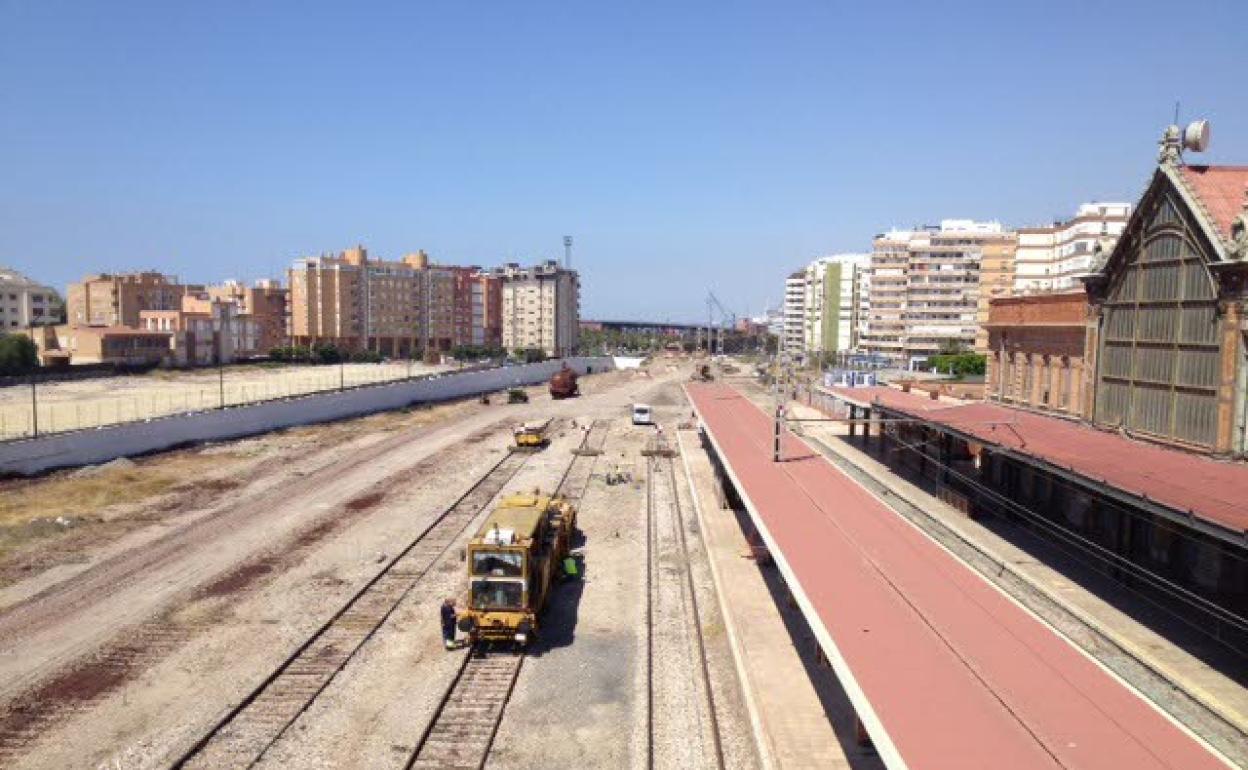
(265, 303)
(397, 308)
(487, 311)
(207, 330)
(116, 299)
(356, 303)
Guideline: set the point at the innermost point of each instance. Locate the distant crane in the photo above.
(727, 320)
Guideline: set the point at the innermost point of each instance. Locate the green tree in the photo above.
(326, 354)
(18, 354)
(959, 364)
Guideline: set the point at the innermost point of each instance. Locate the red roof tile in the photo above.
(1210, 489)
(1222, 189)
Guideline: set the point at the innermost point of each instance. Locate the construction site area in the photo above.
(279, 601)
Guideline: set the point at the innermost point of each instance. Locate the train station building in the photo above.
(1115, 418)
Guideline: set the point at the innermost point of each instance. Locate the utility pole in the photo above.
(775, 450)
(775, 382)
(220, 383)
(34, 406)
(710, 330)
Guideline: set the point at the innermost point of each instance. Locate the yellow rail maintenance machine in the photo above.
(513, 562)
(532, 435)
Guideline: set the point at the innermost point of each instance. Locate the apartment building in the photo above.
(359, 303)
(265, 303)
(109, 299)
(25, 303)
(996, 281)
(487, 310)
(541, 308)
(206, 330)
(926, 286)
(1051, 258)
(436, 322)
(401, 308)
(833, 303)
(793, 333)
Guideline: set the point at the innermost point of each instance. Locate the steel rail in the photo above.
(697, 615)
(462, 729)
(242, 736)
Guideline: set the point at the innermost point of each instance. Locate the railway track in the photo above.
(671, 609)
(462, 729)
(241, 737)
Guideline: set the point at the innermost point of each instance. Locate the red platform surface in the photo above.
(944, 669)
(1209, 489)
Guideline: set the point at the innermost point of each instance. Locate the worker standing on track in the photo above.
(448, 623)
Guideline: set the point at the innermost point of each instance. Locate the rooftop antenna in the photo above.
(1176, 111)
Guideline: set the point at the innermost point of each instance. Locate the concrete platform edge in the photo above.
(884, 745)
(734, 642)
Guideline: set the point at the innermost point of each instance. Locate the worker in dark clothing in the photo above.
(448, 623)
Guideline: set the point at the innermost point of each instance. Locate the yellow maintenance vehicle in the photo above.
(513, 562)
(532, 435)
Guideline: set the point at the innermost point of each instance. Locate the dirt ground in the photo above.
(187, 576)
(59, 518)
(74, 404)
(586, 684)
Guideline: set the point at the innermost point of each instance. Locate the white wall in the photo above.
(88, 447)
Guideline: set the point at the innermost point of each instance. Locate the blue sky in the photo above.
(684, 145)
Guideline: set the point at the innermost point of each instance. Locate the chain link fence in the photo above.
(57, 407)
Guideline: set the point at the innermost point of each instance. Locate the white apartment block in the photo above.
(1049, 259)
(793, 338)
(832, 305)
(925, 286)
(24, 303)
(541, 308)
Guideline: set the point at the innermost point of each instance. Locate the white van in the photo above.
(642, 415)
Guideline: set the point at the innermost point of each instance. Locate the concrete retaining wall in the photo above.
(88, 447)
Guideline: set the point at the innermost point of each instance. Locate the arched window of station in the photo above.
(1160, 351)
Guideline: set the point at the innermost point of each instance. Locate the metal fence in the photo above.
(43, 408)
